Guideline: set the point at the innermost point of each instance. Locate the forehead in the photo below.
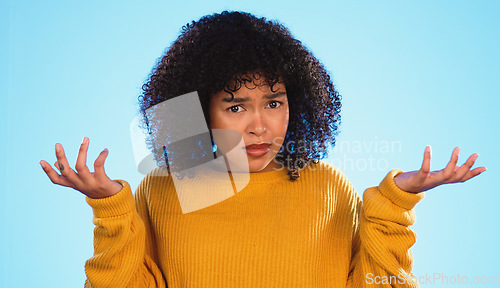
(245, 94)
(250, 87)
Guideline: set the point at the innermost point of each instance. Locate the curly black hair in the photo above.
(215, 53)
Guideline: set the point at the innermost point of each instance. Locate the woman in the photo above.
(298, 222)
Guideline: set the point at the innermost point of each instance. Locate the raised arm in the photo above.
(382, 237)
(123, 246)
(121, 243)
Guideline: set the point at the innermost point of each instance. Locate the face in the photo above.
(259, 115)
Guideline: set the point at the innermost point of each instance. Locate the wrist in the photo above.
(115, 187)
(117, 204)
(395, 194)
(401, 183)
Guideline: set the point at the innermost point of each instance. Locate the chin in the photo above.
(259, 165)
(256, 168)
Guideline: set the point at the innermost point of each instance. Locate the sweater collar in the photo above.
(219, 173)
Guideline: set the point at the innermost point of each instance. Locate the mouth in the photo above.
(258, 150)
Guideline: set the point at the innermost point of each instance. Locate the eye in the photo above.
(234, 109)
(274, 104)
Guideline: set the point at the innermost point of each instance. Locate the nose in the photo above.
(257, 125)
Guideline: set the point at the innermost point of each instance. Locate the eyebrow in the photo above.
(244, 99)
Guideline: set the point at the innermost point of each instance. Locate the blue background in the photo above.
(412, 73)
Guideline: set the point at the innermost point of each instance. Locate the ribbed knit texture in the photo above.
(313, 232)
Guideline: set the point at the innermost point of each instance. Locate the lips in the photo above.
(258, 146)
(258, 150)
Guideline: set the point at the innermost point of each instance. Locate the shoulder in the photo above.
(154, 182)
(326, 171)
(327, 174)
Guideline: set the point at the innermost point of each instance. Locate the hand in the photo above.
(93, 184)
(422, 180)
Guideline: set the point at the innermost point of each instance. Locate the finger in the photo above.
(473, 173)
(99, 173)
(426, 164)
(54, 176)
(81, 160)
(449, 170)
(462, 171)
(62, 164)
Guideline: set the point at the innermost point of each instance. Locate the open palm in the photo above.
(93, 184)
(424, 179)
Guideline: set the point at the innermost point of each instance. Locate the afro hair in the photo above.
(217, 52)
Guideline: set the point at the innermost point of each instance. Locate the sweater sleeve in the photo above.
(382, 239)
(122, 243)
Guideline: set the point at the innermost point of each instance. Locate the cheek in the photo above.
(227, 139)
(285, 122)
(280, 129)
(213, 116)
(215, 120)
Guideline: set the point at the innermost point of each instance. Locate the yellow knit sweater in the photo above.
(313, 232)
